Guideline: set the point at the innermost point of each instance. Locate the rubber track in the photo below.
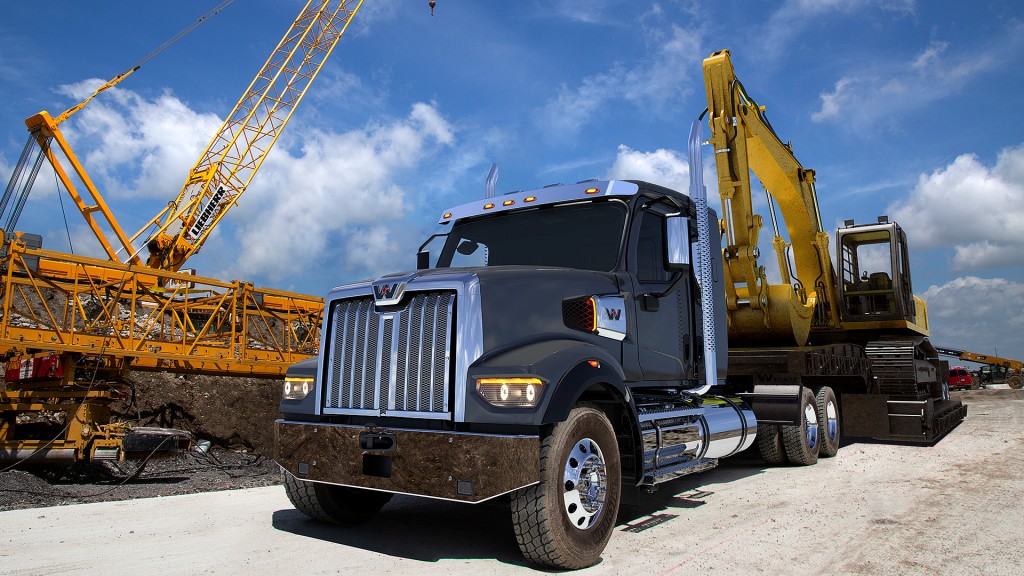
(892, 362)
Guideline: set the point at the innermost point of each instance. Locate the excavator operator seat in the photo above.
(881, 303)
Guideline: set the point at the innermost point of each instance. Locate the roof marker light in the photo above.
(447, 215)
(530, 199)
(508, 202)
(592, 191)
(488, 206)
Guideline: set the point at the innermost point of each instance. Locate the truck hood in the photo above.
(513, 304)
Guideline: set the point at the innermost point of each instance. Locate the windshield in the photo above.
(584, 236)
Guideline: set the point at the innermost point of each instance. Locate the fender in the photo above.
(561, 362)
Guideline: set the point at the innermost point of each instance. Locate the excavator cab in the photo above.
(875, 273)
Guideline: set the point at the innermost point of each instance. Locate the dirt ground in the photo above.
(235, 415)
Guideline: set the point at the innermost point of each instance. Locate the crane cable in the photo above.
(213, 12)
(153, 54)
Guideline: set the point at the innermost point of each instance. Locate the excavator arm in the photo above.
(745, 142)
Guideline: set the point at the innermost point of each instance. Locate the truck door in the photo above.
(663, 323)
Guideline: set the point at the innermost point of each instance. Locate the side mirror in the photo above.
(677, 242)
(423, 255)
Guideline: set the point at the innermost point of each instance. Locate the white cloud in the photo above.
(651, 83)
(973, 208)
(137, 147)
(328, 200)
(793, 17)
(883, 89)
(978, 314)
(664, 167)
(335, 202)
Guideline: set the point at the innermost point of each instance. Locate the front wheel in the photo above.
(566, 520)
(330, 503)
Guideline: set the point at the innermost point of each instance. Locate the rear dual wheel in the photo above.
(801, 441)
(828, 422)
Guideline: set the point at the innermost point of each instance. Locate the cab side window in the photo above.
(650, 247)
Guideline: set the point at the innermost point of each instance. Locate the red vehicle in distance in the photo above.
(959, 378)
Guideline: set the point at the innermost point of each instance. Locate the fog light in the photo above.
(510, 392)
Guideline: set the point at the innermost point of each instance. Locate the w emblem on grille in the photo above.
(388, 293)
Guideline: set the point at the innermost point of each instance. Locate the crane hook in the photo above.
(432, 3)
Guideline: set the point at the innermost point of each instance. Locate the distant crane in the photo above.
(1009, 370)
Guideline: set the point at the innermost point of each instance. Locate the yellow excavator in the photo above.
(858, 320)
(72, 326)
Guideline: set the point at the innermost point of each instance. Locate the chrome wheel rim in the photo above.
(832, 421)
(811, 418)
(585, 481)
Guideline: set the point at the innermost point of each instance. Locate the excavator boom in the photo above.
(745, 142)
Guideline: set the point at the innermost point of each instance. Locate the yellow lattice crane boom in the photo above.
(235, 153)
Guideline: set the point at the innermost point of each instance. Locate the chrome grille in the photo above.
(395, 362)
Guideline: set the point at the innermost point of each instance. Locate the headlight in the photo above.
(296, 388)
(510, 392)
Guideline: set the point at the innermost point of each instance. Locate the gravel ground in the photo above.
(952, 509)
(221, 468)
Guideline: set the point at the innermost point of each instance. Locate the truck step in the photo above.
(671, 472)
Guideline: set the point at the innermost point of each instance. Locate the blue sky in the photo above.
(905, 108)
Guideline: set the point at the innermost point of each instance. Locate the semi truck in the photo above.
(556, 346)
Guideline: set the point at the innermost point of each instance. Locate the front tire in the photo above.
(330, 503)
(566, 520)
(801, 441)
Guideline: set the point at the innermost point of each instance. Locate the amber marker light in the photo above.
(530, 199)
(594, 363)
(447, 216)
(488, 206)
(593, 312)
(508, 202)
(592, 190)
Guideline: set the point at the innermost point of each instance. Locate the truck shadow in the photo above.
(420, 529)
(433, 530)
(642, 509)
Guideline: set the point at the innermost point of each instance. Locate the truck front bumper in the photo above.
(449, 465)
